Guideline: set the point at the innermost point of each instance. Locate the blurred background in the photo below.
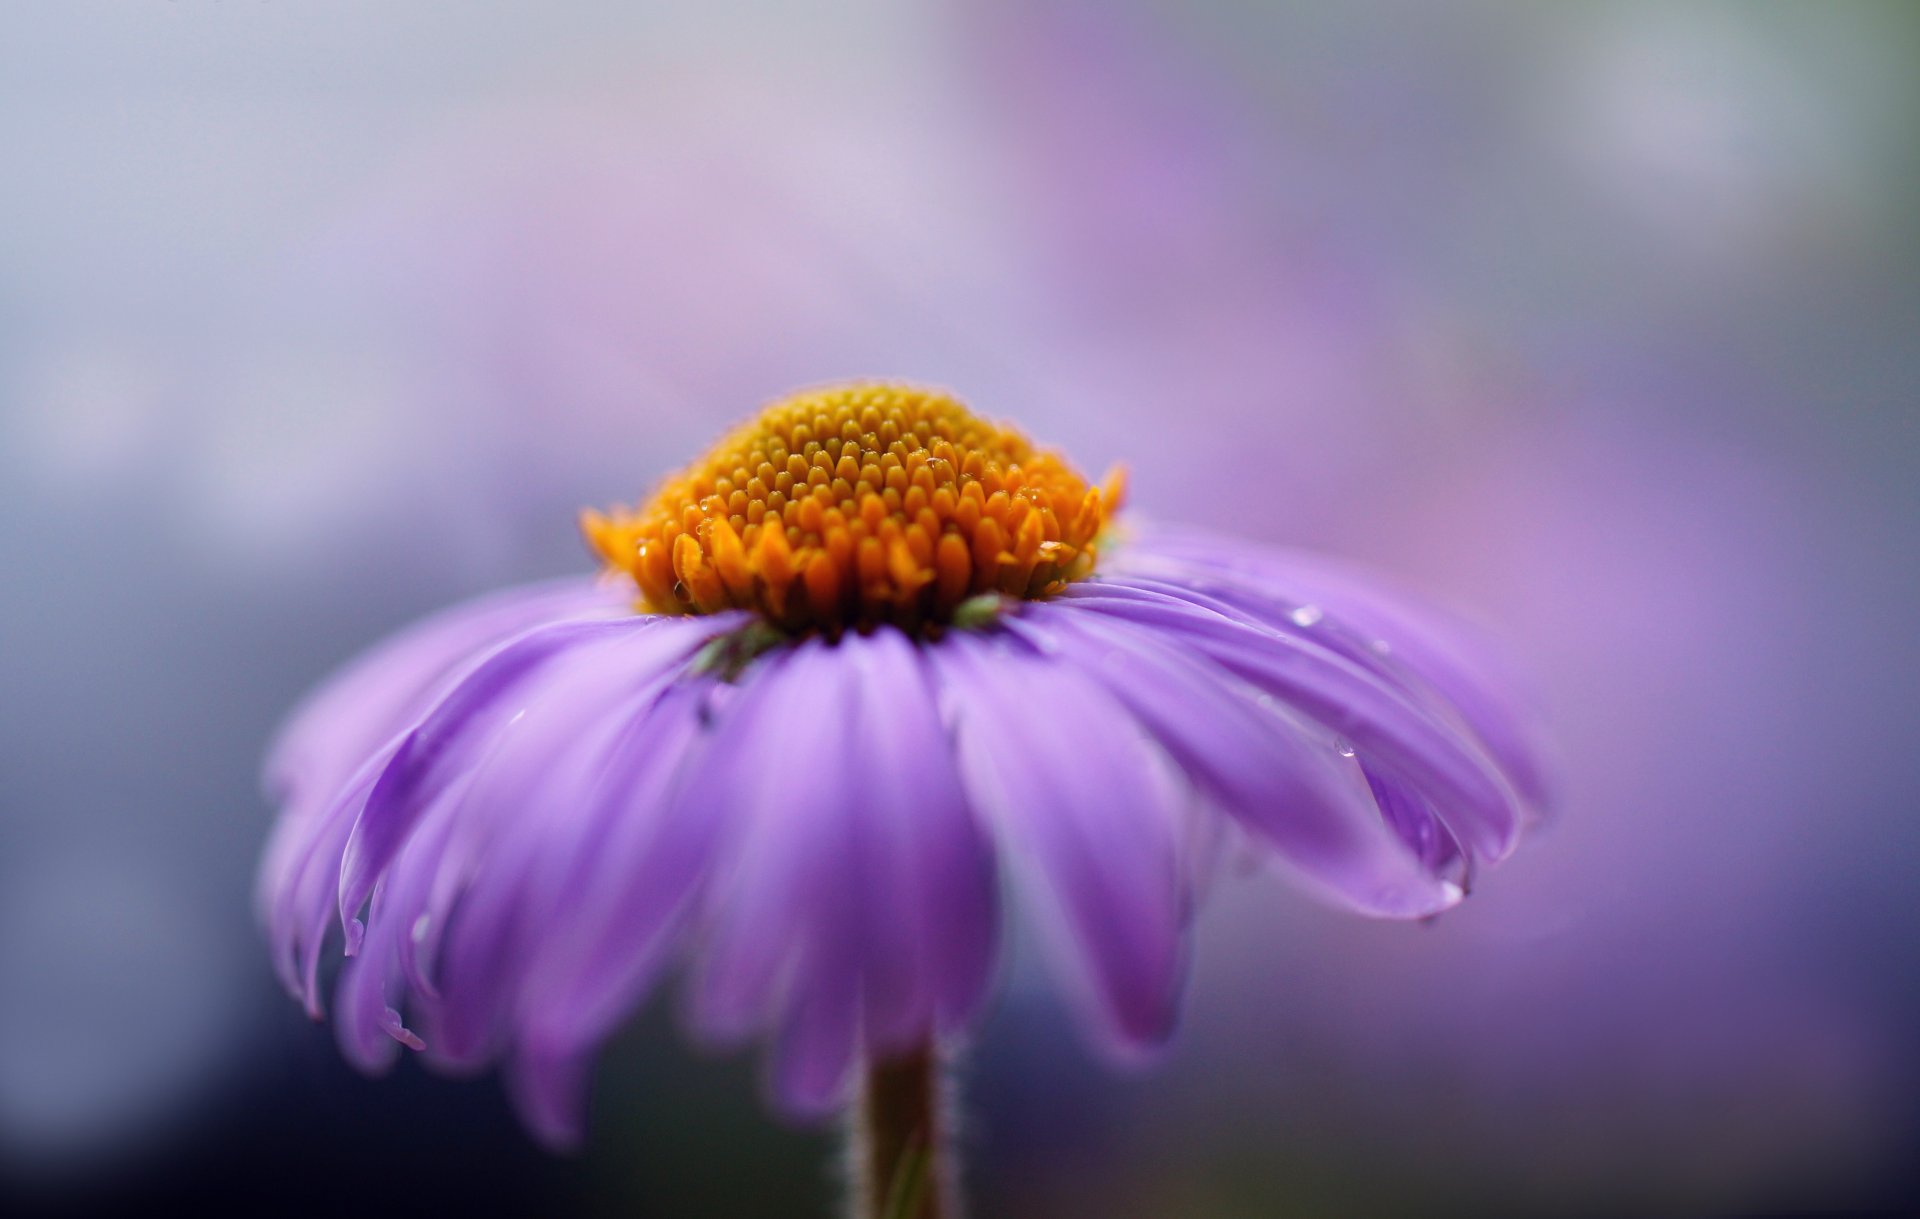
(1598, 322)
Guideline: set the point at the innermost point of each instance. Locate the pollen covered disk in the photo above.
(859, 504)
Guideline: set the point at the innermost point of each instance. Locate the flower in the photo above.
(804, 761)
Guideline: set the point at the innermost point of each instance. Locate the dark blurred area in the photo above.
(1595, 322)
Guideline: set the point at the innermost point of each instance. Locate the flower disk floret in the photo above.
(856, 505)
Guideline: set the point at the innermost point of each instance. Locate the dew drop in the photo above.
(1380, 647)
(1306, 615)
(420, 926)
(1346, 750)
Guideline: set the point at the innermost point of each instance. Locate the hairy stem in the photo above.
(901, 1163)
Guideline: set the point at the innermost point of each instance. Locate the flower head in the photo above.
(808, 763)
(859, 505)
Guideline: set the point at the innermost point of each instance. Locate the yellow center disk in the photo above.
(859, 504)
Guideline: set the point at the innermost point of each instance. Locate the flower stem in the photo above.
(901, 1165)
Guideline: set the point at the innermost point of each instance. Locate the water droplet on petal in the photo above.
(1306, 615)
(1346, 750)
(420, 926)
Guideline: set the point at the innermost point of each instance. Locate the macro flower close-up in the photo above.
(867, 663)
(959, 609)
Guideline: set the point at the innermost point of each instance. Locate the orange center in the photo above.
(859, 504)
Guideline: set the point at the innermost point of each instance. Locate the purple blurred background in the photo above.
(1598, 323)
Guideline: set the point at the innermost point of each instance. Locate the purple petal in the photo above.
(645, 860)
(856, 903)
(1281, 779)
(506, 902)
(459, 837)
(1386, 724)
(818, 1038)
(784, 937)
(304, 906)
(367, 1020)
(1413, 819)
(445, 748)
(334, 746)
(782, 793)
(347, 719)
(933, 920)
(550, 1094)
(1081, 802)
(1287, 588)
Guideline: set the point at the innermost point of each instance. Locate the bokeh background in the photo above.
(1601, 323)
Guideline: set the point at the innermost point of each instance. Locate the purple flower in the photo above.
(889, 661)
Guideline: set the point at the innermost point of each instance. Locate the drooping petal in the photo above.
(1388, 725)
(1412, 817)
(445, 749)
(652, 852)
(347, 719)
(464, 831)
(1085, 813)
(782, 796)
(546, 969)
(598, 921)
(818, 1038)
(482, 884)
(936, 902)
(367, 1003)
(549, 1092)
(336, 744)
(1357, 611)
(302, 906)
(1274, 773)
(855, 905)
(782, 928)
